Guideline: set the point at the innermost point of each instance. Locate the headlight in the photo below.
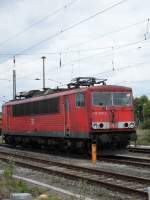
(101, 125)
(132, 125)
(126, 125)
(95, 125)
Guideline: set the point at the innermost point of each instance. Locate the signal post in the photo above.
(94, 150)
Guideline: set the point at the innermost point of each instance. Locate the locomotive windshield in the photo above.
(121, 99)
(111, 99)
(102, 99)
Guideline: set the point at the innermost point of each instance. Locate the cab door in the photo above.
(8, 116)
(67, 117)
(80, 116)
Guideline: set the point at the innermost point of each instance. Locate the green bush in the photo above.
(8, 184)
(146, 124)
(9, 169)
(143, 137)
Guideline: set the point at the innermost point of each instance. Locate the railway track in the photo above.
(139, 150)
(113, 181)
(127, 160)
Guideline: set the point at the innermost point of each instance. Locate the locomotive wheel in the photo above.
(9, 140)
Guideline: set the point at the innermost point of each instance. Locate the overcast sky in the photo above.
(108, 43)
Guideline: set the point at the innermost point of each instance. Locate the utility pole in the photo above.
(14, 79)
(43, 58)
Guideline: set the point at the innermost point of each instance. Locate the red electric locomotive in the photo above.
(88, 110)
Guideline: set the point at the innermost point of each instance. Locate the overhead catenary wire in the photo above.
(120, 68)
(72, 26)
(107, 34)
(75, 51)
(98, 54)
(116, 48)
(129, 66)
(71, 51)
(38, 22)
(34, 24)
(133, 81)
(4, 79)
(57, 53)
(65, 51)
(104, 54)
(66, 29)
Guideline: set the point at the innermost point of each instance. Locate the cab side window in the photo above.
(67, 104)
(80, 100)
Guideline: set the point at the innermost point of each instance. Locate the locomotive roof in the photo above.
(108, 88)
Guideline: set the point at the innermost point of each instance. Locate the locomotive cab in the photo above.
(112, 116)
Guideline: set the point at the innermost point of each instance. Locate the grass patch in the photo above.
(143, 137)
(9, 185)
(1, 140)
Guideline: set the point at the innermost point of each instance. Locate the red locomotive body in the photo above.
(75, 116)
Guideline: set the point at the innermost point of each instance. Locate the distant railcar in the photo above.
(87, 111)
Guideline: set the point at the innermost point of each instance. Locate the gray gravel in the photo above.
(76, 187)
(82, 188)
(118, 168)
(96, 193)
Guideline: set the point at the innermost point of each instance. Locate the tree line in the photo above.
(142, 111)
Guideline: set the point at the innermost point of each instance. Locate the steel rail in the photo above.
(132, 158)
(139, 150)
(39, 164)
(126, 161)
(85, 169)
